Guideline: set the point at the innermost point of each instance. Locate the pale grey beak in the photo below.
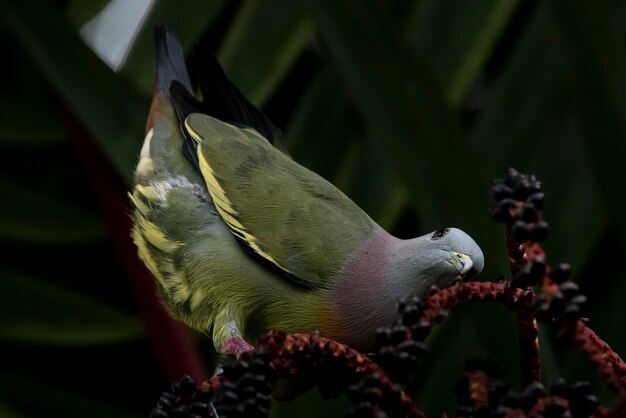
(462, 262)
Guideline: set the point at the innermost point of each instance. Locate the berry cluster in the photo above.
(366, 396)
(401, 346)
(562, 401)
(186, 400)
(519, 201)
(483, 394)
(245, 389)
(481, 389)
(561, 302)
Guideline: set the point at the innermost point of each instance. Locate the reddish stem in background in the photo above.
(171, 341)
(521, 254)
(608, 363)
(519, 300)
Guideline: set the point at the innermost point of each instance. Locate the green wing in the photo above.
(284, 212)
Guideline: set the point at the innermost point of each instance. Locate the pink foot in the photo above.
(236, 346)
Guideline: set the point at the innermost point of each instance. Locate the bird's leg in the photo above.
(235, 346)
(229, 334)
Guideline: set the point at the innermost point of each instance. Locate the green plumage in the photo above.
(253, 176)
(241, 239)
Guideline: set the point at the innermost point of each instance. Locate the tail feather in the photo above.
(224, 101)
(221, 99)
(170, 60)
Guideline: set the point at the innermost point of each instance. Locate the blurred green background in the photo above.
(410, 107)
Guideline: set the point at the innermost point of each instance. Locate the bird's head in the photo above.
(438, 258)
(463, 257)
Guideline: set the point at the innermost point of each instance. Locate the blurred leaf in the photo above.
(36, 399)
(371, 181)
(37, 312)
(458, 55)
(7, 410)
(188, 22)
(30, 216)
(326, 135)
(592, 35)
(323, 126)
(78, 12)
(515, 112)
(112, 112)
(400, 101)
(262, 45)
(28, 123)
(576, 215)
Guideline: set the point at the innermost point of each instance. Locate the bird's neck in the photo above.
(366, 292)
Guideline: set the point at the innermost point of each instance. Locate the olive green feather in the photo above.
(283, 211)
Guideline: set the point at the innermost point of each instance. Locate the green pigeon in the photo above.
(242, 239)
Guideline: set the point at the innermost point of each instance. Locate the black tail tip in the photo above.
(170, 60)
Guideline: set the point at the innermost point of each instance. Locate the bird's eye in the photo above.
(439, 234)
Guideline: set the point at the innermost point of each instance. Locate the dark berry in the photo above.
(587, 404)
(536, 200)
(186, 386)
(572, 313)
(557, 303)
(559, 388)
(579, 300)
(383, 336)
(500, 412)
(520, 231)
(529, 396)
(537, 270)
(553, 409)
(203, 395)
(262, 400)
(398, 334)
(533, 184)
(180, 412)
(414, 348)
(501, 191)
(165, 404)
(199, 408)
(539, 232)
(500, 212)
(258, 382)
(410, 315)
(580, 389)
(561, 273)
(512, 176)
(158, 413)
(441, 315)
(229, 398)
(421, 330)
(529, 214)
(371, 395)
(569, 289)
(258, 366)
(521, 189)
(248, 393)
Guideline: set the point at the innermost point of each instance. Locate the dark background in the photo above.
(410, 107)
